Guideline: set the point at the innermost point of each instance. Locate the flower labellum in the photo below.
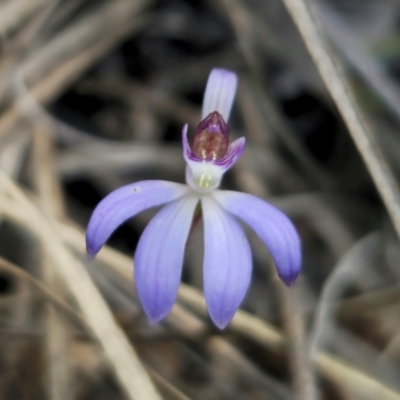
(227, 255)
(211, 138)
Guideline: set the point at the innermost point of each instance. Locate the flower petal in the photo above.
(220, 93)
(159, 256)
(205, 176)
(272, 226)
(227, 262)
(187, 151)
(235, 150)
(125, 203)
(201, 176)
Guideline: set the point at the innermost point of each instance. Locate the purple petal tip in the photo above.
(221, 325)
(91, 250)
(290, 279)
(222, 316)
(157, 311)
(155, 318)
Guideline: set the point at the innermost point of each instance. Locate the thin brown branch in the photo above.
(60, 74)
(57, 338)
(331, 73)
(243, 323)
(122, 357)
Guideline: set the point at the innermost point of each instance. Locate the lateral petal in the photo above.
(159, 256)
(272, 226)
(234, 152)
(124, 203)
(227, 262)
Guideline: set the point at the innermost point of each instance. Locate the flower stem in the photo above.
(302, 373)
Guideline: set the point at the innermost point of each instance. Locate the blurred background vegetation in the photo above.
(93, 95)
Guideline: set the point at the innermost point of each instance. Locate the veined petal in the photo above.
(124, 203)
(227, 262)
(220, 93)
(235, 150)
(272, 226)
(159, 256)
(187, 151)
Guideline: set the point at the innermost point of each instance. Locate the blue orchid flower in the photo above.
(227, 255)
